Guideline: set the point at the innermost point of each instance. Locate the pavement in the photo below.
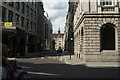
(76, 61)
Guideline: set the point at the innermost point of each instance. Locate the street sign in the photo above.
(8, 24)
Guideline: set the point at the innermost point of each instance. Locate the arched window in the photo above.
(107, 36)
(106, 2)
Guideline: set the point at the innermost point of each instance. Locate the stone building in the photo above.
(59, 40)
(47, 32)
(97, 30)
(21, 37)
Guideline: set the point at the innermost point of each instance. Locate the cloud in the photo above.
(57, 12)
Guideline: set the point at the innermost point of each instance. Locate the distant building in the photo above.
(47, 32)
(59, 40)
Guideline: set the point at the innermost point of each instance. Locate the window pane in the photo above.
(17, 17)
(31, 13)
(23, 7)
(22, 22)
(34, 29)
(27, 11)
(11, 4)
(3, 14)
(10, 14)
(17, 5)
(30, 26)
(34, 15)
(27, 23)
(110, 2)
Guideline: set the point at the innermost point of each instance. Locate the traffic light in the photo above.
(72, 37)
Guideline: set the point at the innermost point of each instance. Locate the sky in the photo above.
(57, 11)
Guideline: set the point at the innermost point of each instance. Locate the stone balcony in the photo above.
(108, 9)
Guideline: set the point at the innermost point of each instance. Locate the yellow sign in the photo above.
(7, 24)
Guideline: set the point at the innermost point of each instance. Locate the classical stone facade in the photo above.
(59, 40)
(97, 31)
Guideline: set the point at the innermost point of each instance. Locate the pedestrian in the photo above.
(59, 51)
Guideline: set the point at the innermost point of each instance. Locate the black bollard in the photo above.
(70, 56)
(79, 56)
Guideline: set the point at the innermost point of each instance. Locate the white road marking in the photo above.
(41, 73)
(42, 57)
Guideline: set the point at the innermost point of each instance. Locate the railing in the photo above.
(108, 8)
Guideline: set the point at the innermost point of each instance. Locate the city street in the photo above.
(60, 39)
(53, 66)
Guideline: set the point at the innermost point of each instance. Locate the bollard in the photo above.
(70, 56)
(79, 56)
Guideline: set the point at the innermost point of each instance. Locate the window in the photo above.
(22, 21)
(18, 5)
(106, 2)
(31, 13)
(23, 7)
(27, 23)
(27, 10)
(34, 4)
(31, 26)
(34, 29)
(3, 14)
(10, 14)
(59, 42)
(17, 19)
(34, 15)
(11, 4)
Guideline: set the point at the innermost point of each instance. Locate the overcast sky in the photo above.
(57, 11)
